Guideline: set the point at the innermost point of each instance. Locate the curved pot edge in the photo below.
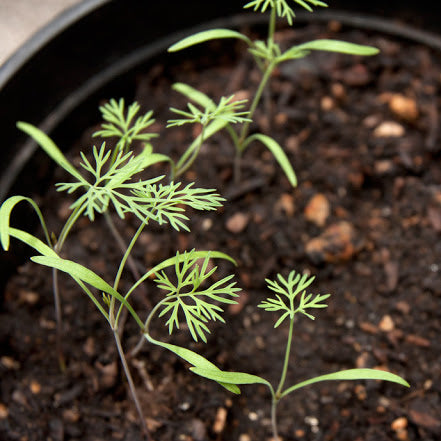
(139, 55)
(38, 40)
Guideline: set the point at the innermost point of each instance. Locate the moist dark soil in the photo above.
(363, 135)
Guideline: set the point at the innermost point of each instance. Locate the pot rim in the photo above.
(45, 34)
(141, 54)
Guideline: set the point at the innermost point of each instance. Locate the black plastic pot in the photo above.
(91, 44)
(85, 51)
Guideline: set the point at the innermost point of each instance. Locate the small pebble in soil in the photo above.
(338, 91)
(285, 204)
(384, 167)
(184, 406)
(386, 324)
(318, 209)
(28, 297)
(389, 129)
(399, 426)
(89, 346)
(434, 268)
(19, 397)
(369, 328)
(362, 360)
(4, 411)
(404, 107)
(337, 243)
(313, 422)
(237, 223)
(153, 424)
(220, 420)
(108, 374)
(71, 415)
(9, 363)
(207, 223)
(47, 324)
(253, 416)
(356, 76)
(417, 340)
(360, 391)
(428, 384)
(327, 103)
(299, 433)
(35, 387)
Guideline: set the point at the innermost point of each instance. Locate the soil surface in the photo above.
(363, 135)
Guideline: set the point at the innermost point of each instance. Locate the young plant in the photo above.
(290, 299)
(267, 55)
(123, 126)
(211, 118)
(114, 182)
(120, 124)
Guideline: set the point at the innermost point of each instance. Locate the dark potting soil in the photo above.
(364, 137)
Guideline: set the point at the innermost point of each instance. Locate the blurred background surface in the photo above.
(20, 19)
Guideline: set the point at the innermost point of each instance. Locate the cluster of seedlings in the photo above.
(112, 181)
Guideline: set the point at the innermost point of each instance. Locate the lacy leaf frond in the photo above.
(290, 288)
(114, 184)
(283, 9)
(197, 305)
(226, 110)
(123, 125)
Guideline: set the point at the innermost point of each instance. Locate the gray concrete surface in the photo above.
(20, 19)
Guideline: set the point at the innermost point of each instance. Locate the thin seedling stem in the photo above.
(131, 385)
(193, 156)
(274, 418)
(286, 360)
(256, 100)
(278, 394)
(237, 172)
(58, 320)
(123, 247)
(130, 263)
(56, 290)
(246, 127)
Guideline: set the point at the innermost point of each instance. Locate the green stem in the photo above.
(267, 71)
(58, 320)
(279, 392)
(237, 156)
(56, 290)
(245, 128)
(153, 312)
(266, 75)
(121, 268)
(156, 307)
(182, 169)
(274, 403)
(140, 343)
(78, 211)
(286, 360)
(127, 252)
(130, 262)
(272, 27)
(237, 171)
